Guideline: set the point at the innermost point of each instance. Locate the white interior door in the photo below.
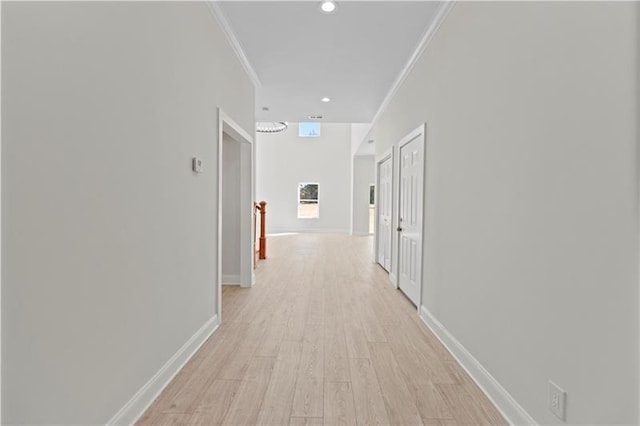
(410, 217)
(384, 213)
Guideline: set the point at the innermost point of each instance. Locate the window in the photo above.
(308, 207)
(309, 130)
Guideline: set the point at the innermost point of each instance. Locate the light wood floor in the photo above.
(322, 338)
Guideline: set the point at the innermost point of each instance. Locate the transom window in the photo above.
(309, 130)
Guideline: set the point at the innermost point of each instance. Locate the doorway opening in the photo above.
(232, 152)
(372, 209)
(384, 205)
(234, 260)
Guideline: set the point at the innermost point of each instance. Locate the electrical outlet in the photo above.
(557, 401)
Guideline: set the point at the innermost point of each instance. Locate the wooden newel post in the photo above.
(263, 231)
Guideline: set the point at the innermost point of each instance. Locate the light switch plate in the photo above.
(196, 165)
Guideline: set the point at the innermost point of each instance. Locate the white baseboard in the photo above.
(285, 231)
(394, 279)
(505, 403)
(142, 399)
(231, 280)
(361, 234)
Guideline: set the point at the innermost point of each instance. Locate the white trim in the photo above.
(142, 399)
(225, 26)
(231, 279)
(233, 128)
(420, 48)
(361, 234)
(504, 402)
(424, 42)
(388, 154)
(637, 164)
(237, 133)
(420, 134)
(393, 279)
(274, 231)
(0, 217)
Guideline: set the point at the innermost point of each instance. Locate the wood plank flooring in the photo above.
(321, 339)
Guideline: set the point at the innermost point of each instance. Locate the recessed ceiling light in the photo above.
(316, 117)
(328, 6)
(325, 100)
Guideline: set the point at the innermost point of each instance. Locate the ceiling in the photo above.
(300, 55)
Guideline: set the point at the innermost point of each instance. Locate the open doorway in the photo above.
(231, 218)
(384, 237)
(372, 209)
(235, 207)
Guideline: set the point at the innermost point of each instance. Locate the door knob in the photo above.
(399, 229)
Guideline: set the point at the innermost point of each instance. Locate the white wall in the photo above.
(363, 178)
(358, 134)
(284, 159)
(230, 211)
(109, 239)
(532, 196)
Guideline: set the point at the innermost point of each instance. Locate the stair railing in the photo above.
(260, 249)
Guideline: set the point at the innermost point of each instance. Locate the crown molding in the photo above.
(218, 14)
(428, 35)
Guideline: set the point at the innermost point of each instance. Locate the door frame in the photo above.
(238, 134)
(388, 154)
(0, 225)
(419, 133)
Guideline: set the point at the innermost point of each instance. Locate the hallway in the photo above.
(322, 338)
